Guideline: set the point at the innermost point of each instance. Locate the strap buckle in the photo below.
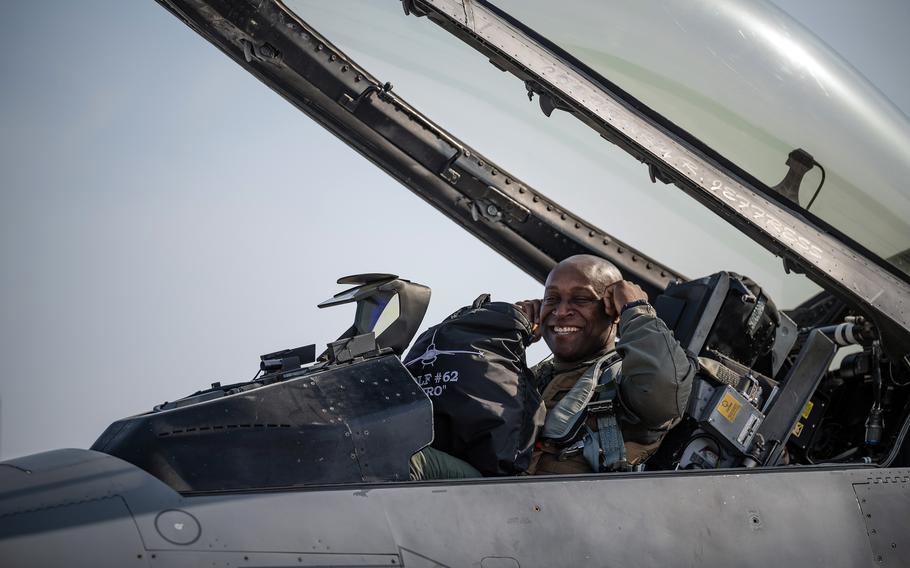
(572, 450)
(601, 407)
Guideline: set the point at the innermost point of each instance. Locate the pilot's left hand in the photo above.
(619, 294)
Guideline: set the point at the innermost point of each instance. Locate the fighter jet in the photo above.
(306, 465)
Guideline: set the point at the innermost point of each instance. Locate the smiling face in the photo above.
(574, 322)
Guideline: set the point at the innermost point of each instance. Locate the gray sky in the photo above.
(165, 218)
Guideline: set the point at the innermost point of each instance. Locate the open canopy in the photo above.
(752, 83)
(277, 45)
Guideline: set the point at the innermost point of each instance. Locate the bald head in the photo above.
(598, 271)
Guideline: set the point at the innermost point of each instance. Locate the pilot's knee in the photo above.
(430, 463)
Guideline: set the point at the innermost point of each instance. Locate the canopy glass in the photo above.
(750, 82)
(725, 82)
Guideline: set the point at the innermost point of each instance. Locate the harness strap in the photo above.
(605, 449)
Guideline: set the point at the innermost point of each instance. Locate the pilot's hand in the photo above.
(531, 309)
(619, 294)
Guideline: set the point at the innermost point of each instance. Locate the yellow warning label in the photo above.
(807, 410)
(729, 407)
(798, 429)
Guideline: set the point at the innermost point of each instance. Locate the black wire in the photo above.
(820, 184)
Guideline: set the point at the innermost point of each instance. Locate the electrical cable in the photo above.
(820, 184)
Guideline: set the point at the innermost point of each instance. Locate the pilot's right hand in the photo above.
(531, 309)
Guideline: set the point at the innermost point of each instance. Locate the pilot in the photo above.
(586, 306)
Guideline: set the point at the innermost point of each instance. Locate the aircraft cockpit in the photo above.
(819, 383)
(766, 395)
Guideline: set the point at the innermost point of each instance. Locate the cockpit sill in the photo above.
(364, 487)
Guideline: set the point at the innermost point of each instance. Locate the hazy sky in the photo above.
(165, 218)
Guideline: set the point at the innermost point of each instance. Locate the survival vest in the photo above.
(486, 409)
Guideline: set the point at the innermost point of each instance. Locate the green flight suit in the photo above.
(654, 380)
